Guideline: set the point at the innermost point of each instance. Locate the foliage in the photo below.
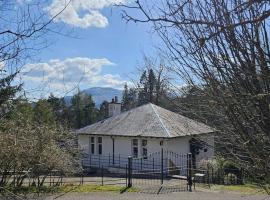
(103, 111)
(21, 36)
(225, 47)
(83, 110)
(34, 146)
(151, 88)
(129, 98)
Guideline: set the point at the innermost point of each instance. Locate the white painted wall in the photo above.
(209, 154)
(123, 146)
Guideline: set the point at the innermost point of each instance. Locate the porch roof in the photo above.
(147, 121)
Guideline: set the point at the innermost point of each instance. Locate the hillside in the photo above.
(99, 94)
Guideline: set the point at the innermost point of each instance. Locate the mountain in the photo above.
(99, 94)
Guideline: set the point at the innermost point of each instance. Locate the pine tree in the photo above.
(151, 84)
(125, 98)
(83, 110)
(143, 89)
(43, 112)
(103, 111)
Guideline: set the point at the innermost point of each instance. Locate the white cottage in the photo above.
(141, 132)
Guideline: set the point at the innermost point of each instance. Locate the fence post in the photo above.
(153, 164)
(99, 161)
(162, 175)
(129, 171)
(126, 175)
(189, 173)
(119, 161)
(102, 174)
(50, 178)
(241, 181)
(90, 160)
(82, 177)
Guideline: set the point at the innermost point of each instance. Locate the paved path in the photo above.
(170, 196)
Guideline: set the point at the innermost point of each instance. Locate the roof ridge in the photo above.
(163, 125)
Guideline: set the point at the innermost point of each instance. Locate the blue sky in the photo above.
(106, 52)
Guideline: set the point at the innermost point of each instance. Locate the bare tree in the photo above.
(23, 25)
(223, 46)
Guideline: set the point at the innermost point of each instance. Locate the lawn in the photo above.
(94, 188)
(243, 189)
(87, 188)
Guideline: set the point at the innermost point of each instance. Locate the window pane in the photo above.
(144, 152)
(135, 151)
(92, 148)
(135, 142)
(99, 139)
(144, 143)
(92, 140)
(100, 149)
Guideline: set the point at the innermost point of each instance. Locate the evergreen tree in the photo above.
(125, 98)
(103, 110)
(83, 110)
(151, 84)
(59, 108)
(147, 87)
(43, 112)
(143, 89)
(129, 98)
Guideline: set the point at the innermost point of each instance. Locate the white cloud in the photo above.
(61, 76)
(81, 13)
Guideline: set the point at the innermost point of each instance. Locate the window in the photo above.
(92, 145)
(135, 148)
(99, 145)
(144, 149)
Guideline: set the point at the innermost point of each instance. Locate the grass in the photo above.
(95, 188)
(69, 188)
(243, 189)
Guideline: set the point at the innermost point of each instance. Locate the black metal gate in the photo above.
(162, 171)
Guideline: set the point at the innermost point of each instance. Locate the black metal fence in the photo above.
(164, 169)
(158, 171)
(223, 176)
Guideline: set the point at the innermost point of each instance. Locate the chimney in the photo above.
(114, 107)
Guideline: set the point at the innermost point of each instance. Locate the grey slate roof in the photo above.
(148, 121)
